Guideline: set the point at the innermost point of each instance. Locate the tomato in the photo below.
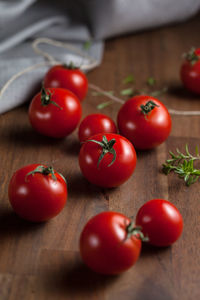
(94, 124)
(67, 77)
(160, 221)
(109, 243)
(55, 112)
(145, 121)
(37, 193)
(190, 71)
(107, 160)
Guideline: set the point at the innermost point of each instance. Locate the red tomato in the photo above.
(67, 77)
(190, 71)
(55, 112)
(145, 121)
(109, 243)
(160, 221)
(94, 124)
(37, 193)
(107, 160)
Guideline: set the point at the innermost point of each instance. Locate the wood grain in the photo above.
(41, 261)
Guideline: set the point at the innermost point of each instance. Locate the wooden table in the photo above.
(41, 261)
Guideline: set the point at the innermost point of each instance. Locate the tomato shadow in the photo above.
(71, 146)
(26, 137)
(150, 250)
(74, 278)
(180, 92)
(79, 186)
(13, 226)
(145, 153)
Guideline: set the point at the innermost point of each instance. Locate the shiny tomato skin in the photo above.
(74, 80)
(161, 221)
(144, 131)
(94, 124)
(103, 244)
(54, 121)
(190, 74)
(104, 175)
(36, 197)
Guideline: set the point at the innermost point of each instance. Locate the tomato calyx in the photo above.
(132, 230)
(46, 98)
(191, 56)
(107, 147)
(148, 107)
(70, 66)
(45, 171)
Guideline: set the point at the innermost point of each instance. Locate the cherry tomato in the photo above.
(160, 221)
(37, 193)
(94, 124)
(67, 77)
(109, 243)
(190, 71)
(55, 112)
(145, 121)
(107, 160)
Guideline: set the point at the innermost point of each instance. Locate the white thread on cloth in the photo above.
(92, 63)
(50, 59)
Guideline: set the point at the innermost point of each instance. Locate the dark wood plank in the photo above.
(41, 261)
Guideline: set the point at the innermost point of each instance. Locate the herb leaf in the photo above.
(129, 79)
(151, 81)
(127, 92)
(183, 165)
(158, 92)
(104, 104)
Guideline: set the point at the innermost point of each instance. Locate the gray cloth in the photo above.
(77, 21)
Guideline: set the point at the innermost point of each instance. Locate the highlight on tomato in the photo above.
(107, 160)
(37, 193)
(110, 243)
(160, 221)
(94, 124)
(145, 121)
(55, 112)
(190, 71)
(68, 77)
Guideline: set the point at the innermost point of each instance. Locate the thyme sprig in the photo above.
(183, 165)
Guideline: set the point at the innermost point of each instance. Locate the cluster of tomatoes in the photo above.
(110, 242)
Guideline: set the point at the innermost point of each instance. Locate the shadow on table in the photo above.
(177, 90)
(13, 226)
(76, 279)
(71, 146)
(149, 250)
(79, 186)
(25, 136)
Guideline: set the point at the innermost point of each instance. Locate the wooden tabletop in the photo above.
(41, 261)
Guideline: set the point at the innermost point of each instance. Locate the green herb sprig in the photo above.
(127, 92)
(183, 165)
(129, 79)
(151, 81)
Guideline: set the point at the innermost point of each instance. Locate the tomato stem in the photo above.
(46, 98)
(70, 66)
(191, 56)
(136, 231)
(43, 170)
(107, 147)
(148, 107)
